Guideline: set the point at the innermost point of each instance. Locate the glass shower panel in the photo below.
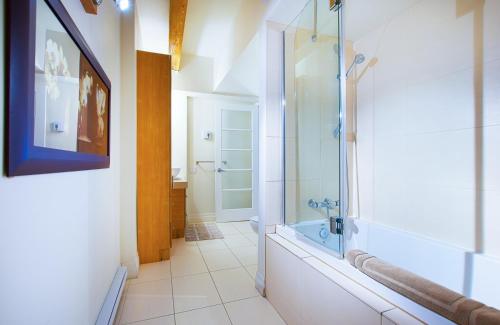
(312, 116)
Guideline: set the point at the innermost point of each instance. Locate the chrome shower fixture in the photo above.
(358, 59)
(314, 36)
(313, 204)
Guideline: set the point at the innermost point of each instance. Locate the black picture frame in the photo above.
(23, 157)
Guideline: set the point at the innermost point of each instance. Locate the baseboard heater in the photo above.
(110, 307)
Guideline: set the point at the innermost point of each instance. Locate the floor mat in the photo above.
(202, 231)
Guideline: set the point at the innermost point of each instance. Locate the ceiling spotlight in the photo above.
(123, 4)
(97, 2)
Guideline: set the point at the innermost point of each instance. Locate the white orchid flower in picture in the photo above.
(56, 66)
(86, 82)
(101, 110)
(85, 89)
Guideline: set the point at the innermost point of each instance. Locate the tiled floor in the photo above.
(208, 282)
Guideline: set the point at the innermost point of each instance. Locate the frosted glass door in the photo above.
(236, 161)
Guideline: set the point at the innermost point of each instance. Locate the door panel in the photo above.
(236, 162)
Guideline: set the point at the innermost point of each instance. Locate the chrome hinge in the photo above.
(337, 225)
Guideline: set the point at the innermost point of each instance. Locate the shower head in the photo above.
(358, 59)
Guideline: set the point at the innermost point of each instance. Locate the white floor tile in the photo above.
(252, 270)
(247, 255)
(220, 260)
(194, 291)
(227, 228)
(147, 300)
(210, 245)
(152, 272)
(237, 241)
(243, 227)
(181, 247)
(234, 284)
(167, 320)
(187, 265)
(182, 242)
(119, 312)
(253, 311)
(215, 315)
(253, 237)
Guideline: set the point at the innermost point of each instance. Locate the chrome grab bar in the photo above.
(209, 161)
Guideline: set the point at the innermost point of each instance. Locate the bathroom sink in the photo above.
(175, 172)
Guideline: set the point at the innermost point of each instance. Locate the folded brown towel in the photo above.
(485, 316)
(433, 296)
(352, 255)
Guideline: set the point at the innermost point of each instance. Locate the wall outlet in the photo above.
(206, 135)
(57, 127)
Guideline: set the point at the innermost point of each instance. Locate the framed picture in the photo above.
(58, 94)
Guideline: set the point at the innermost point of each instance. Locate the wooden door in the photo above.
(153, 156)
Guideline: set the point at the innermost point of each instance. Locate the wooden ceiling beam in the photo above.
(89, 6)
(177, 20)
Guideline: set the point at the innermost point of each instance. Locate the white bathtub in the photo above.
(465, 272)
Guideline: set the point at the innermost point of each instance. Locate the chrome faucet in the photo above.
(327, 203)
(336, 223)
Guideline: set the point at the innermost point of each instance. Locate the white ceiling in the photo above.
(222, 30)
(244, 75)
(211, 24)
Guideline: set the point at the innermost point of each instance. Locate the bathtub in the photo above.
(339, 307)
(455, 268)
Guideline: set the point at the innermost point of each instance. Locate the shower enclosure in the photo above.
(314, 140)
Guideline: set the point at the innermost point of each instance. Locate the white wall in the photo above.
(60, 245)
(201, 187)
(270, 137)
(179, 132)
(429, 123)
(196, 74)
(152, 25)
(243, 78)
(128, 145)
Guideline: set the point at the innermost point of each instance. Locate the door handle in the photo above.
(220, 170)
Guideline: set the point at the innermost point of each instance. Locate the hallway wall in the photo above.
(128, 144)
(60, 245)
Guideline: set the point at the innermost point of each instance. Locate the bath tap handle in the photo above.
(313, 204)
